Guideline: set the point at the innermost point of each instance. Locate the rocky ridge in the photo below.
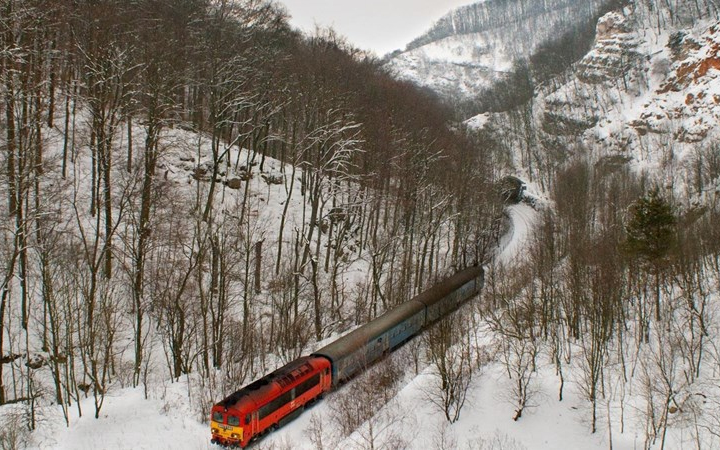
(648, 98)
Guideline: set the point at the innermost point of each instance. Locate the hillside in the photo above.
(474, 48)
(621, 281)
(193, 194)
(600, 326)
(643, 96)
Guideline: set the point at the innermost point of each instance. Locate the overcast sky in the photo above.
(379, 25)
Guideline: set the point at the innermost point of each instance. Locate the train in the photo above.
(280, 396)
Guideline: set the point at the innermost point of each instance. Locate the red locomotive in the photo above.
(269, 402)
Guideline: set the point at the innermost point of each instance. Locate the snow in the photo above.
(658, 110)
(169, 418)
(478, 122)
(128, 421)
(522, 218)
(459, 66)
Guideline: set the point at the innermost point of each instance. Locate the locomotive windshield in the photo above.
(217, 416)
(233, 421)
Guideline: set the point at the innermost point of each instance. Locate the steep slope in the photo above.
(178, 176)
(475, 46)
(651, 98)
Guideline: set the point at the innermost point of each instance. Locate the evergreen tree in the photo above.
(651, 235)
(651, 232)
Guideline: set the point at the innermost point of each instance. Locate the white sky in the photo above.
(379, 25)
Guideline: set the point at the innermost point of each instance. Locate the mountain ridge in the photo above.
(474, 49)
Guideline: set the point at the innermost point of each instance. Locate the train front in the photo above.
(226, 426)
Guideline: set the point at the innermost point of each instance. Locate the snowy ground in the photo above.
(167, 418)
(127, 421)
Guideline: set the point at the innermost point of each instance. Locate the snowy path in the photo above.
(522, 220)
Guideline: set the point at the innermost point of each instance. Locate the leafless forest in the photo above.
(114, 273)
(110, 266)
(620, 286)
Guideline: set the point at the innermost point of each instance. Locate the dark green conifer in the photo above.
(651, 235)
(651, 232)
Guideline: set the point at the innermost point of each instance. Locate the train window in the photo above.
(266, 410)
(307, 385)
(275, 405)
(217, 416)
(247, 419)
(234, 421)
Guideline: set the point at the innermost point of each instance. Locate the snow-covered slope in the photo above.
(650, 97)
(476, 45)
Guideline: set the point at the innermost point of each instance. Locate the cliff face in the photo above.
(636, 84)
(614, 53)
(688, 100)
(645, 94)
(613, 64)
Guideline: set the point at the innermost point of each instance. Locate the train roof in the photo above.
(451, 284)
(280, 378)
(361, 336)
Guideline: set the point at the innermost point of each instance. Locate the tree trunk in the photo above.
(143, 243)
(658, 315)
(107, 200)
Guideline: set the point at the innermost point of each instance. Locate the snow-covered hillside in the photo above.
(474, 46)
(168, 418)
(645, 95)
(642, 106)
(251, 261)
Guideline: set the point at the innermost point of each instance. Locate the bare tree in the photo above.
(514, 320)
(373, 422)
(108, 69)
(451, 356)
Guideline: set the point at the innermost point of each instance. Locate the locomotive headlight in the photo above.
(234, 435)
(214, 431)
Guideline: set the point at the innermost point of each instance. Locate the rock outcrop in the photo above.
(614, 54)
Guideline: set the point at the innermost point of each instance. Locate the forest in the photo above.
(483, 16)
(135, 136)
(618, 293)
(195, 192)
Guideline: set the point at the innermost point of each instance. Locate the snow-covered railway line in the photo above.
(521, 218)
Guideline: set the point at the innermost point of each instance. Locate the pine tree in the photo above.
(651, 235)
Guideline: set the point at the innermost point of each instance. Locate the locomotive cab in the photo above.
(227, 426)
(267, 403)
